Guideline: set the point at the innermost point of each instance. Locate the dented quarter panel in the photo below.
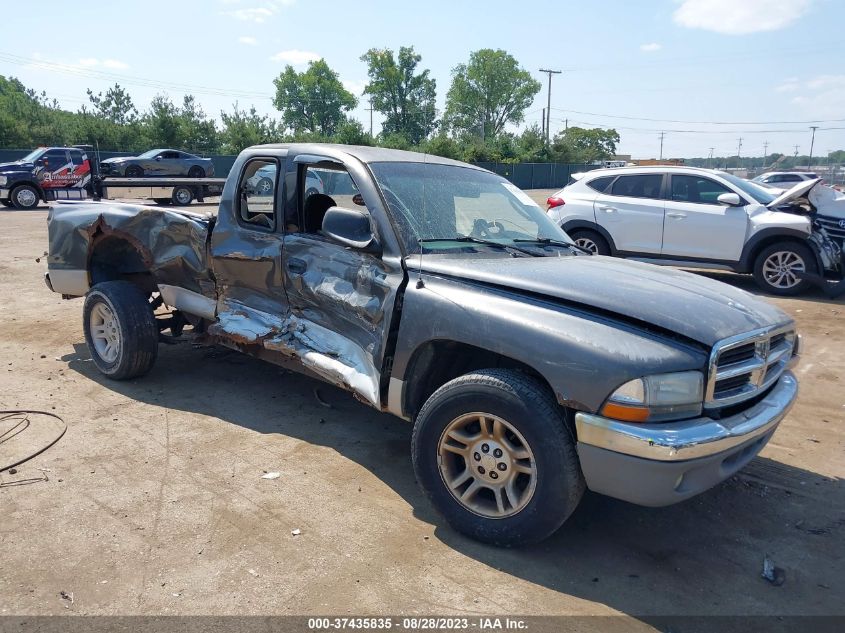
(171, 243)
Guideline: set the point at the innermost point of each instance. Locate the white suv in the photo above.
(691, 217)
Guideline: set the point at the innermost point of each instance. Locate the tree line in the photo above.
(487, 95)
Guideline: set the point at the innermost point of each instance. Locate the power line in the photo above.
(633, 118)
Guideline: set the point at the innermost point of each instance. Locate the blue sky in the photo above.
(774, 62)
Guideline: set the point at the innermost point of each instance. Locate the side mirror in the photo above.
(730, 199)
(350, 227)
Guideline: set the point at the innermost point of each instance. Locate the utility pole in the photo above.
(371, 116)
(765, 152)
(662, 134)
(796, 151)
(544, 122)
(812, 141)
(710, 158)
(549, 102)
(738, 150)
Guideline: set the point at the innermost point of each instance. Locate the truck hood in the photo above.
(16, 166)
(693, 306)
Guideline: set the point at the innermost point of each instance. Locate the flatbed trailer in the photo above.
(175, 190)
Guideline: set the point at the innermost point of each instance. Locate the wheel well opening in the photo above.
(114, 258)
(437, 362)
(774, 239)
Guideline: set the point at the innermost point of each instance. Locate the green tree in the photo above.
(115, 106)
(489, 92)
(243, 128)
(580, 145)
(405, 99)
(314, 100)
(351, 132)
(198, 131)
(161, 124)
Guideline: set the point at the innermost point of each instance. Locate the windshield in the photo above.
(753, 190)
(430, 202)
(150, 154)
(33, 155)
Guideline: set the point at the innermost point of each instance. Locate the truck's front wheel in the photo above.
(492, 452)
(120, 330)
(25, 197)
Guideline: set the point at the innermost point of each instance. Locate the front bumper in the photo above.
(661, 464)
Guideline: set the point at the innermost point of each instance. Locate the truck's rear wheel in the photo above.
(25, 197)
(120, 330)
(493, 454)
(182, 196)
(776, 266)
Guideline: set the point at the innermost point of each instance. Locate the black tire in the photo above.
(527, 406)
(136, 329)
(764, 278)
(182, 196)
(588, 236)
(134, 171)
(25, 197)
(196, 172)
(163, 201)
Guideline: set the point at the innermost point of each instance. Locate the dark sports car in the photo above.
(158, 162)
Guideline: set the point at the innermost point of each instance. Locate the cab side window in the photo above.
(322, 187)
(257, 193)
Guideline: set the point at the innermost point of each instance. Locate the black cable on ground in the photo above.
(15, 430)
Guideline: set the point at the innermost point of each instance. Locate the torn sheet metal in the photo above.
(325, 352)
(171, 243)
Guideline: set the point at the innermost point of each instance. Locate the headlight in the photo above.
(657, 398)
(3, 180)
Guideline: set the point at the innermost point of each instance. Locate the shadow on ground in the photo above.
(641, 561)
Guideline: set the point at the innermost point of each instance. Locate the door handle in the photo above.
(677, 216)
(297, 266)
(608, 209)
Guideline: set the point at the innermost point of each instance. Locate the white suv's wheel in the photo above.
(777, 268)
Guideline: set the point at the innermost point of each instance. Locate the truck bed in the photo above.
(172, 244)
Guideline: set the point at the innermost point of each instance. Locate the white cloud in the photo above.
(739, 17)
(820, 97)
(296, 57)
(249, 41)
(650, 47)
(257, 14)
(356, 87)
(252, 14)
(80, 65)
(114, 64)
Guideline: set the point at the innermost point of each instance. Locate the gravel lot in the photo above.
(155, 501)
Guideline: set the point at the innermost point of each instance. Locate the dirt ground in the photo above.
(155, 502)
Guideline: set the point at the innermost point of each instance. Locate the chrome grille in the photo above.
(742, 366)
(834, 226)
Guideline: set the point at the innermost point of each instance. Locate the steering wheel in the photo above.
(486, 230)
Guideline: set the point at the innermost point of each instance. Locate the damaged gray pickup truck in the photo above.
(439, 292)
